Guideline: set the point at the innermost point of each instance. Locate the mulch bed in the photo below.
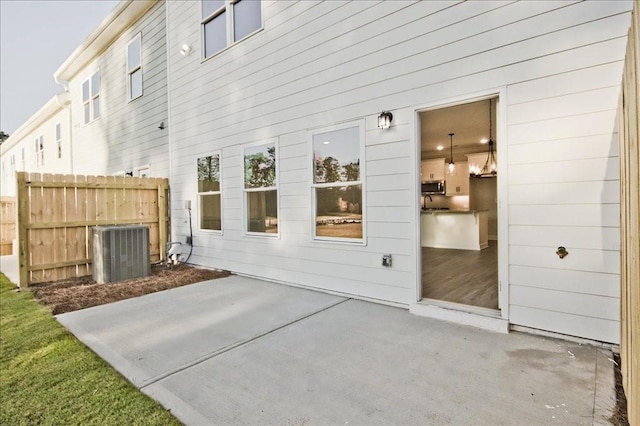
(83, 292)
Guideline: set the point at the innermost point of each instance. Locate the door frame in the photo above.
(502, 188)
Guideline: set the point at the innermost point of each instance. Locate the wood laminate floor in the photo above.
(462, 276)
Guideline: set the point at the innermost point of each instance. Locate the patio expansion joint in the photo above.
(197, 361)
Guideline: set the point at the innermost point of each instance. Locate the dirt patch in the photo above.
(619, 417)
(83, 292)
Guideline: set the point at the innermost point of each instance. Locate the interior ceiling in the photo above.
(469, 123)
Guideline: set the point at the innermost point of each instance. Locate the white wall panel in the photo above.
(569, 215)
(578, 148)
(604, 261)
(594, 237)
(582, 282)
(585, 305)
(560, 322)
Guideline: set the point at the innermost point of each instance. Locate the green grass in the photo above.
(48, 377)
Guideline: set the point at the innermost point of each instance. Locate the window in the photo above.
(134, 67)
(39, 151)
(260, 191)
(23, 160)
(59, 139)
(209, 197)
(337, 184)
(225, 21)
(91, 98)
(13, 164)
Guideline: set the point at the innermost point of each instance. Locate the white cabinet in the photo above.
(458, 181)
(432, 169)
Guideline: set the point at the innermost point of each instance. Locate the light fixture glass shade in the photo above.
(451, 167)
(490, 167)
(384, 120)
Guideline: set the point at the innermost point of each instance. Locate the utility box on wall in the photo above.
(120, 253)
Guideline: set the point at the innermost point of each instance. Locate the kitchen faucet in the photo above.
(424, 204)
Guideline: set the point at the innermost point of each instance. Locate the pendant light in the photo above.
(490, 167)
(452, 166)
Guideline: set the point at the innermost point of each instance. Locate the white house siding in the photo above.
(126, 135)
(38, 125)
(317, 64)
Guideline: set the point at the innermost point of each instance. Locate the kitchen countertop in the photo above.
(451, 211)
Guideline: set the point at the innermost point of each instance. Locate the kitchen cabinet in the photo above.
(432, 169)
(458, 181)
(455, 229)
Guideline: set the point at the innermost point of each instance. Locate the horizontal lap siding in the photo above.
(564, 191)
(317, 64)
(126, 135)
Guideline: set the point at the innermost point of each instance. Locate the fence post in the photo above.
(162, 219)
(22, 200)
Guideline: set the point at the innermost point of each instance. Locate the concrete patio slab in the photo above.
(243, 351)
(156, 335)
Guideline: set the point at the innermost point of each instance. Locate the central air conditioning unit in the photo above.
(120, 253)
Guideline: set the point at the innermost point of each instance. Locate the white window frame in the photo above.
(276, 187)
(360, 124)
(93, 98)
(39, 141)
(228, 9)
(205, 193)
(138, 171)
(134, 68)
(59, 138)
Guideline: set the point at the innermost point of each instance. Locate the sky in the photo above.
(36, 37)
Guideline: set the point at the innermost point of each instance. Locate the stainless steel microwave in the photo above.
(433, 187)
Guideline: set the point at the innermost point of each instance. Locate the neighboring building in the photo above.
(117, 83)
(265, 117)
(42, 144)
(112, 117)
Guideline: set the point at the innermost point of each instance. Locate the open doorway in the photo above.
(459, 204)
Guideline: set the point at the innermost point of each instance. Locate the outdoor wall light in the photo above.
(161, 126)
(384, 120)
(185, 49)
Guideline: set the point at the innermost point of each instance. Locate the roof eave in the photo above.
(120, 19)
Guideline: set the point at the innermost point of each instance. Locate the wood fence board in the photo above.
(37, 196)
(629, 131)
(8, 218)
(70, 234)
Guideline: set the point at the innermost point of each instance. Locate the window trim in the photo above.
(58, 137)
(39, 151)
(200, 194)
(360, 124)
(276, 187)
(131, 71)
(229, 28)
(92, 97)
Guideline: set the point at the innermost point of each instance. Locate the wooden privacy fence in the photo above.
(629, 128)
(56, 214)
(7, 224)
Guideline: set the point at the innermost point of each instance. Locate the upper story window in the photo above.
(59, 139)
(337, 185)
(13, 164)
(23, 159)
(134, 67)
(209, 197)
(91, 98)
(226, 21)
(260, 189)
(39, 145)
